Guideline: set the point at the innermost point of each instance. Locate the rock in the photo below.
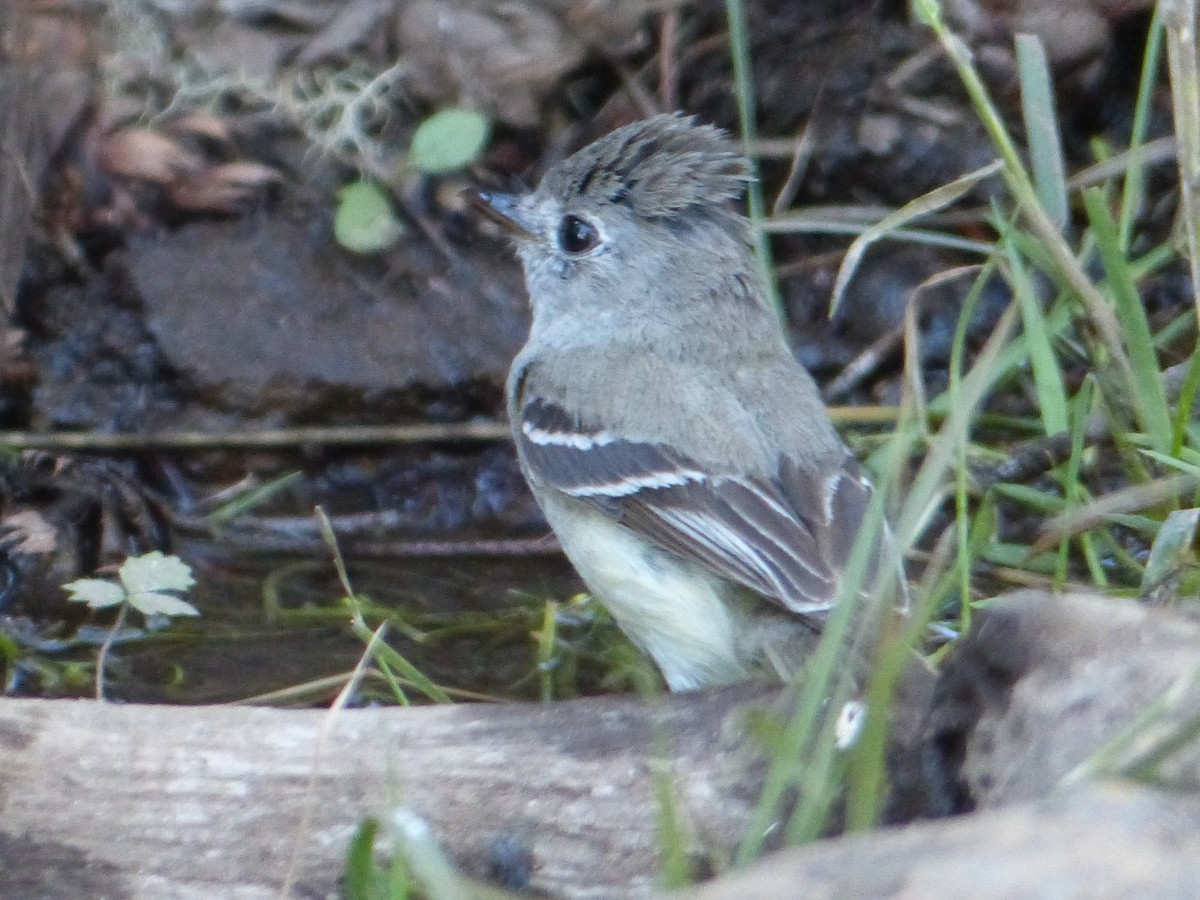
(1102, 842)
(1043, 683)
(262, 315)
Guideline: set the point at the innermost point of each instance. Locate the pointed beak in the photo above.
(505, 210)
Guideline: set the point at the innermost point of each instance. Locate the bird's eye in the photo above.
(576, 235)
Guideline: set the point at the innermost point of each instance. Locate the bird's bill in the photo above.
(505, 210)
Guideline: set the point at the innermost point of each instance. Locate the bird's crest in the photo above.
(659, 167)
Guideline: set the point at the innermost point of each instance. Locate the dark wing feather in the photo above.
(787, 538)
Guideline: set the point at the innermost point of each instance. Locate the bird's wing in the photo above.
(787, 537)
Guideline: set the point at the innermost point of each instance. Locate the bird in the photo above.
(680, 453)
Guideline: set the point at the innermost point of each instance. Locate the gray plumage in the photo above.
(683, 457)
(660, 168)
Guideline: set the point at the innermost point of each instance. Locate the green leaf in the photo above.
(1174, 548)
(95, 592)
(449, 140)
(364, 221)
(155, 572)
(153, 602)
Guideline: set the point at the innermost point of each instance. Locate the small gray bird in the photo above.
(680, 453)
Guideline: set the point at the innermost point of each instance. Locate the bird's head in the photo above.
(646, 204)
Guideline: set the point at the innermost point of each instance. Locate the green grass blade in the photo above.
(1041, 128)
(1149, 401)
(743, 86)
(1047, 376)
(1179, 465)
(954, 392)
(1187, 398)
(1042, 502)
(801, 222)
(251, 499)
(938, 198)
(1065, 266)
(803, 757)
(361, 879)
(1073, 491)
(672, 836)
(1135, 178)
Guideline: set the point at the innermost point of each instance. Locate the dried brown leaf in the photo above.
(224, 189)
(146, 155)
(205, 125)
(34, 534)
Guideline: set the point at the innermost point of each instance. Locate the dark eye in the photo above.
(576, 235)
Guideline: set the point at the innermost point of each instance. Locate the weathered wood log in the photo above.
(160, 802)
(1102, 842)
(1031, 710)
(149, 802)
(1043, 683)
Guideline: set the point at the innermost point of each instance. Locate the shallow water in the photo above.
(281, 627)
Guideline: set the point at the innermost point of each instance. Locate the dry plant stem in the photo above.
(1179, 18)
(428, 231)
(331, 436)
(310, 694)
(365, 534)
(891, 224)
(1159, 150)
(1097, 305)
(934, 561)
(632, 82)
(913, 368)
(304, 825)
(268, 437)
(939, 459)
(1100, 511)
(668, 54)
(861, 367)
(1035, 458)
(23, 155)
(799, 167)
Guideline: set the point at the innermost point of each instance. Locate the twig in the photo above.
(668, 72)
(1102, 510)
(800, 159)
(315, 436)
(1036, 458)
(865, 363)
(337, 435)
(362, 534)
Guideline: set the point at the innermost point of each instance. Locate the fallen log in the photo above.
(131, 802)
(1100, 841)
